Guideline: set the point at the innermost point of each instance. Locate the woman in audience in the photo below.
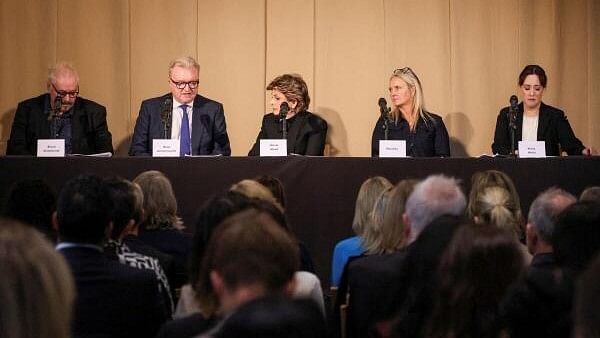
(306, 132)
(353, 246)
(36, 285)
(476, 270)
(536, 121)
(424, 132)
(162, 228)
(275, 187)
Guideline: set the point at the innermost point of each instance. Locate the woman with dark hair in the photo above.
(306, 132)
(476, 270)
(536, 121)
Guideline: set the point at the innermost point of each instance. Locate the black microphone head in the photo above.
(284, 108)
(514, 100)
(382, 103)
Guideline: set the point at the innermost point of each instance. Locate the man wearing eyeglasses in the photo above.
(196, 121)
(60, 114)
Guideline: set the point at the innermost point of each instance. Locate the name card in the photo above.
(531, 149)
(51, 148)
(392, 148)
(165, 148)
(273, 147)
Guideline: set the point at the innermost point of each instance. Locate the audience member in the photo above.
(587, 298)
(476, 270)
(353, 246)
(162, 228)
(33, 202)
(112, 299)
(36, 286)
(590, 194)
(275, 187)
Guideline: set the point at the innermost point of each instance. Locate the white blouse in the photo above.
(530, 126)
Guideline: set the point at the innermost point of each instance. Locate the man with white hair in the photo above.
(196, 121)
(435, 196)
(60, 114)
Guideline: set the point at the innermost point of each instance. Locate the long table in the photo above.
(320, 192)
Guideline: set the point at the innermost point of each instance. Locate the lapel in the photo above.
(197, 127)
(519, 122)
(44, 123)
(543, 122)
(294, 130)
(79, 121)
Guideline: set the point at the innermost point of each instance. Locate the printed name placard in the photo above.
(392, 148)
(165, 148)
(273, 147)
(531, 149)
(51, 148)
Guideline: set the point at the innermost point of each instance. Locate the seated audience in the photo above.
(162, 228)
(353, 246)
(590, 194)
(36, 287)
(587, 298)
(113, 300)
(534, 308)
(33, 202)
(476, 270)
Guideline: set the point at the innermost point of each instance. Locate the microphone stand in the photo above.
(284, 128)
(166, 116)
(54, 114)
(512, 125)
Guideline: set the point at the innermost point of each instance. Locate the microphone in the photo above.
(55, 111)
(514, 104)
(383, 108)
(283, 110)
(165, 114)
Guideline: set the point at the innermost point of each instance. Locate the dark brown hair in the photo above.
(533, 70)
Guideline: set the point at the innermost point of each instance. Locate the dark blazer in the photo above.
(209, 131)
(429, 139)
(186, 327)
(89, 130)
(553, 128)
(306, 133)
(113, 300)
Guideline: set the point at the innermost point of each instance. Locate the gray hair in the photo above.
(437, 195)
(545, 208)
(62, 69)
(185, 62)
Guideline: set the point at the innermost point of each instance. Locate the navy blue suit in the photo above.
(113, 300)
(209, 132)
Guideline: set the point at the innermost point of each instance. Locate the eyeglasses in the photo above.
(63, 93)
(181, 85)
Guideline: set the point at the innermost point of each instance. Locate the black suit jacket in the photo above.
(113, 300)
(553, 128)
(209, 132)
(306, 134)
(89, 130)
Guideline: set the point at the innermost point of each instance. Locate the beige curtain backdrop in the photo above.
(468, 54)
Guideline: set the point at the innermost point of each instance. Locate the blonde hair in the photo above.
(36, 287)
(184, 62)
(367, 195)
(253, 189)
(389, 231)
(62, 68)
(407, 75)
(496, 207)
(160, 204)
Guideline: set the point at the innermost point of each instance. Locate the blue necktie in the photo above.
(184, 138)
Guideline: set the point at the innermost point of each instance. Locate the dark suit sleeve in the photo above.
(501, 144)
(442, 140)
(566, 137)
(255, 150)
(315, 144)
(102, 137)
(378, 134)
(220, 137)
(17, 143)
(140, 142)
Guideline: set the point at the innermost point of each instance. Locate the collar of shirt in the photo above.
(68, 245)
(177, 116)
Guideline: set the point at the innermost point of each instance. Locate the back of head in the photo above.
(365, 201)
(576, 237)
(32, 202)
(437, 195)
(545, 209)
(275, 187)
(491, 178)
(590, 194)
(83, 210)
(160, 204)
(253, 189)
(275, 317)
(587, 317)
(36, 287)
(494, 206)
(127, 201)
(249, 249)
